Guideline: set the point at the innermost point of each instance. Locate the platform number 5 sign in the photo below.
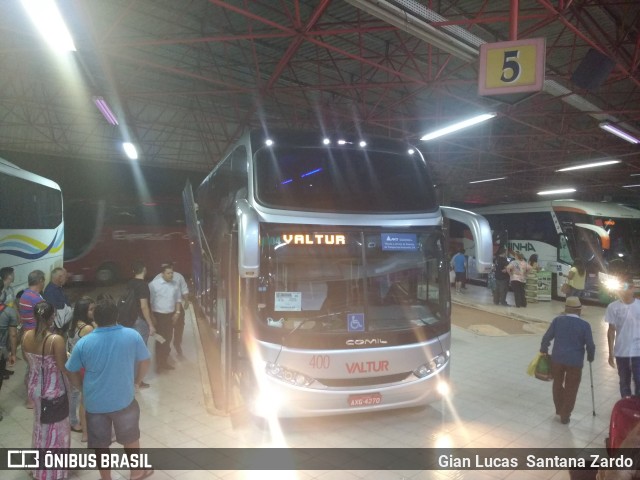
(512, 67)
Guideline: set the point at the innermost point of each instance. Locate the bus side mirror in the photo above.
(248, 240)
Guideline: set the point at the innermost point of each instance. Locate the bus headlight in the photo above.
(609, 282)
(286, 375)
(612, 284)
(431, 367)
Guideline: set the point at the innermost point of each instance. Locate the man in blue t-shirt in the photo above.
(459, 266)
(115, 360)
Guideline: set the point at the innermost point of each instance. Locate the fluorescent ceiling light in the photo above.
(458, 126)
(589, 165)
(488, 180)
(407, 21)
(555, 192)
(634, 174)
(619, 133)
(49, 22)
(631, 186)
(130, 150)
(102, 105)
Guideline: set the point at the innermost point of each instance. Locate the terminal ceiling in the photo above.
(186, 77)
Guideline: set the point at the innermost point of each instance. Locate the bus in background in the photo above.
(31, 223)
(322, 265)
(559, 231)
(104, 237)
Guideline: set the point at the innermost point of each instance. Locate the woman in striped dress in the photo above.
(46, 354)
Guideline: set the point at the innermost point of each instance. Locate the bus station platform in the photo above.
(493, 403)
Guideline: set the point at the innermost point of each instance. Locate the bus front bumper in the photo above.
(280, 399)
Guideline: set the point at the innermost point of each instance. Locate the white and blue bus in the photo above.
(559, 231)
(322, 262)
(31, 223)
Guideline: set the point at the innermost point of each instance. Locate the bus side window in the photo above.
(564, 255)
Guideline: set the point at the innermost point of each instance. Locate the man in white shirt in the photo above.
(623, 317)
(178, 328)
(166, 308)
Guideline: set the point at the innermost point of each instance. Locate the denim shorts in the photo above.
(125, 423)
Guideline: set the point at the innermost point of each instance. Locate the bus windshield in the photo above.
(342, 180)
(352, 281)
(624, 235)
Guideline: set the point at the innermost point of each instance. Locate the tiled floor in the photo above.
(493, 404)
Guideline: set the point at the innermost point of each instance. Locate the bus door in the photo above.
(585, 241)
(216, 288)
(203, 267)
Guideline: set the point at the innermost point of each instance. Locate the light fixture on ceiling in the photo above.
(619, 133)
(589, 165)
(408, 22)
(130, 150)
(458, 126)
(557, 192)
(103, 106)
(488, 180)
(631, 186)
(48, 20)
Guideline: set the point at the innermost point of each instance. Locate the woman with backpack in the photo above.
(81, 325)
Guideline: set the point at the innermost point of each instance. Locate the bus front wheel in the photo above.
(106, 274)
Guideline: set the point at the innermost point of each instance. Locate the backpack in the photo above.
(127, 308)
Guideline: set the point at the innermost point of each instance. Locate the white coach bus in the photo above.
(559, 231)
(321, 261)
(31, 223)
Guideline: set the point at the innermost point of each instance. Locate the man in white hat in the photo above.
(571, 336)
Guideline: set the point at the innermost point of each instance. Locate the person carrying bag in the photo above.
(46, 354)
(571, 337)
(56, 409)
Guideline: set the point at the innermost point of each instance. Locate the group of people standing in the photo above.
(94, 362)
(160, 310)
(512, 272)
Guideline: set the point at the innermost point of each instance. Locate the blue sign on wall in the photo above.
(407, 242)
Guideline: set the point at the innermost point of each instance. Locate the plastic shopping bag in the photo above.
(543, 368)
(531, 369)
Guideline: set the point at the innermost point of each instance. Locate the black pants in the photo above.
(500, 292)
(518, 293)
(3, 367)
(164, 327)
(178, 330)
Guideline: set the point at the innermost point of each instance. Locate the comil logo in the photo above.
(23, 459)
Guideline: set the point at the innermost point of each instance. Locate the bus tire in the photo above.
(106, 274)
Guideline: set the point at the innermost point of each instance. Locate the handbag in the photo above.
(566, 288)
(52, 410)
(543, 368)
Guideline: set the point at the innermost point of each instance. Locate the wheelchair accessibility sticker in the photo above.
(355, 322)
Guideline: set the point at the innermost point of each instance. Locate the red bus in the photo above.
(103, 238)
